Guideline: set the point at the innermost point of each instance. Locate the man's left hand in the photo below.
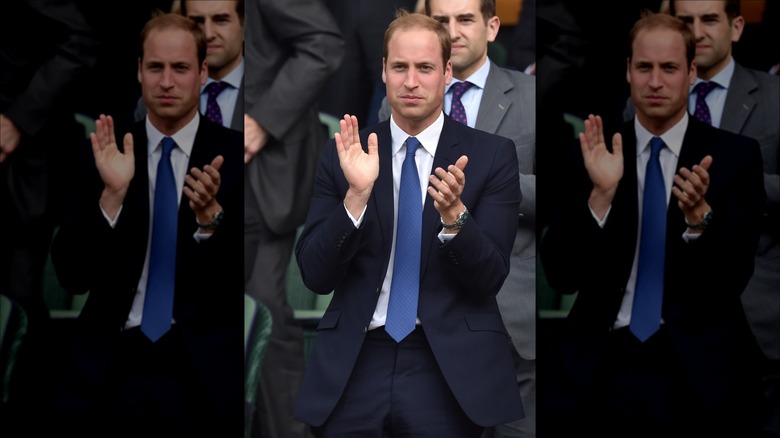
(446, 188)
(201, 187)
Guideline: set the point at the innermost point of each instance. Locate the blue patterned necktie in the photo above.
(702, 112)
(213, 112)
(648, 296)
(405, 288)
(158, 302)
(457, 112)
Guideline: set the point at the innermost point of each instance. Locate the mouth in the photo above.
(213, 47)
(166, 99)
(411, 100)
(655, 99)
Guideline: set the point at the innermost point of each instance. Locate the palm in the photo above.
(116, 168)
(360, 169)
(604, 168)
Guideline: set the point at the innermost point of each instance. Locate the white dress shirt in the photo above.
(228, 97)
(472, 98)
(716, 99)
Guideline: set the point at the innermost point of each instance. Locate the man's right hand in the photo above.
(116, 168)
(360, 169)
(605, 169)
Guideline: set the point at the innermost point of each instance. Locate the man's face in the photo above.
(660, 78)
(415, 78)
(170, 77)
(224, 33)
(468, 31)
(713, 32)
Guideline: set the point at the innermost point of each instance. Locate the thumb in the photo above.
(216, 163)
(373, 144)
(128, 143)
(617, 145)
(706, 162)
(462, 162)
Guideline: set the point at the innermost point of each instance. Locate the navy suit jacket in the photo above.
(90, 256)
(703, 278)
(459, 280)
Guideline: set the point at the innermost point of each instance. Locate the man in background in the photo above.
(292, 48)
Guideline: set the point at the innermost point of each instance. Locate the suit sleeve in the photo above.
(307, 31)
(479, 253)
(74, 51)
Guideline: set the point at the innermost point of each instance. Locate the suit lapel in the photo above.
(739, 100)
(383, 188)
(238, 114)
(495, 103)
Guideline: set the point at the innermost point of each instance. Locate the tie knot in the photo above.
(167, 144)
(411, 146)
(458, 88)
(216, 87)
(656, 144)
(703, 88)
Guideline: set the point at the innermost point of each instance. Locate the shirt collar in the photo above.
(478, 78)
(428, 138)
(233, 78)
(184, 138)
(673, 138)
(723, 78)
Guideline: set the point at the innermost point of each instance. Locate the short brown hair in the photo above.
(239, 9)
(406, 21)
(486, 7)
(650, 21)
(162, 21)
(731, 7)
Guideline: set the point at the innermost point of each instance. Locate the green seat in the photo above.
(257, 331)
(330, 122)
(13, 327)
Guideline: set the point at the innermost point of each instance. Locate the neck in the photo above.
(658, 126)
(170, 126)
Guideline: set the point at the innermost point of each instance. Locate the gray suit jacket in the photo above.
(508, 109)
(752, 109)
(291, 49)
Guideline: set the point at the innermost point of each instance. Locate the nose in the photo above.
(410, 80)
(166, 81)
(452, 28)
(208, 29)
(655, 78)
(696, 29)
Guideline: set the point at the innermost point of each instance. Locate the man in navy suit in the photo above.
(695, 370)
(187, 379)
(451, 373)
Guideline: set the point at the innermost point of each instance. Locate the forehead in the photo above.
(170, 44)
(414, 45)
(211, 7)
(660, 44)
(700, 7)
(454, 7)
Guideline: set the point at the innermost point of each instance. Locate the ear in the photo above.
(493, 25)
(692, 73)
(139, 70)
(628, 70)
(384, 66)
(204, 72)
(737, 26)
(448, 72)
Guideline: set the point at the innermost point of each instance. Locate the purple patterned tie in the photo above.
(702, 111)
(457, 112)
(213, 112)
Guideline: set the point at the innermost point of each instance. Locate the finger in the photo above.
(128, 144)
(373, 144)
(95, 143)
(110, 124)
(355, 129)
(599, 129)
(340, 148)
(584, 146)
(617, 145)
